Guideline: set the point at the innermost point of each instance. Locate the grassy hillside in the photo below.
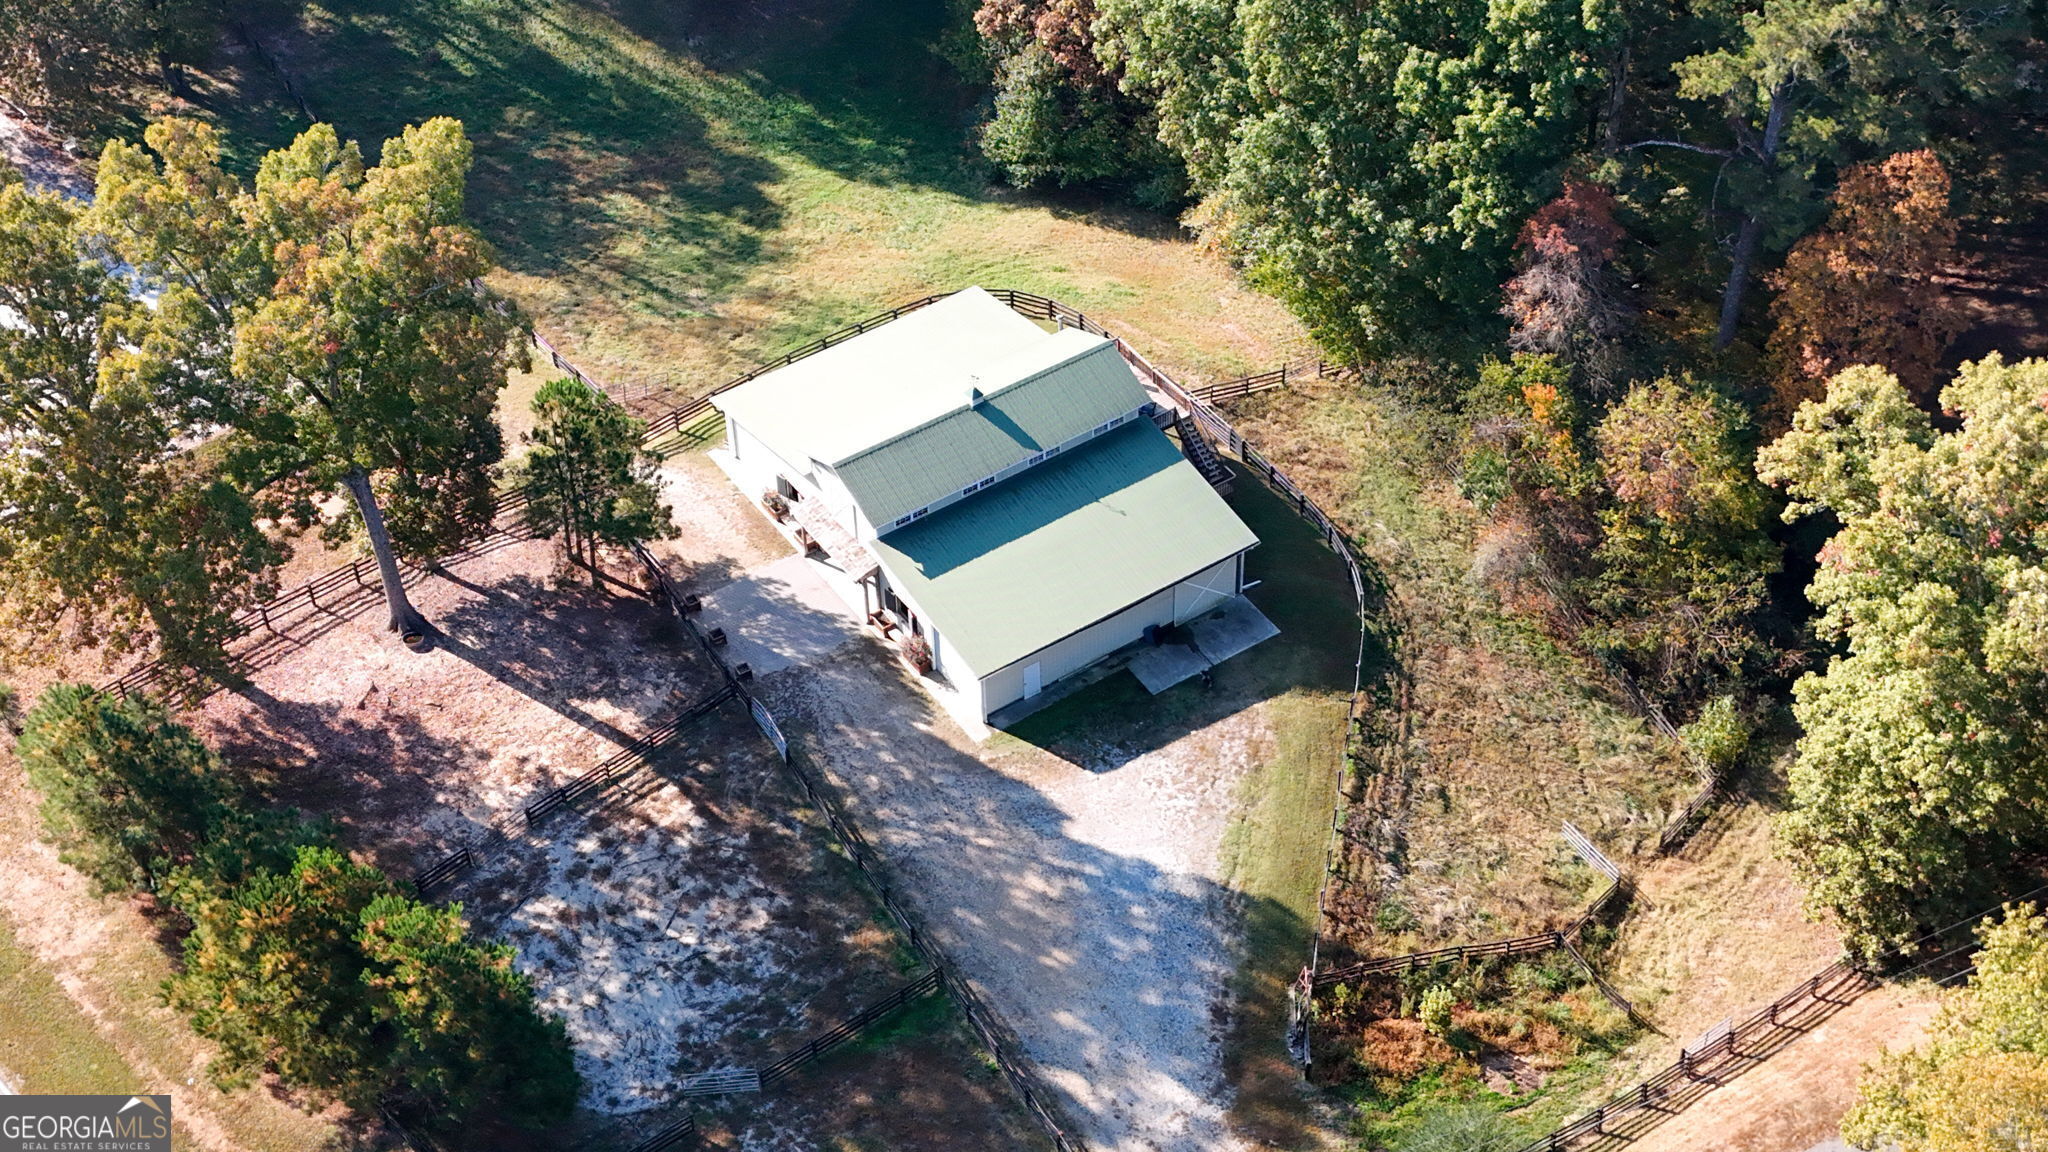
(676, 190)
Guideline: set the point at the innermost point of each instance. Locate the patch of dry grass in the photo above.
(1506, 735)
(1720, 929)
(675, 199)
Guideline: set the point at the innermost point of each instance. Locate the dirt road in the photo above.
(1083, 901)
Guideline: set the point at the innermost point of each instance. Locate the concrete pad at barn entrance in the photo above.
(779, 615)
(1230, 628)
(1222, 632)
(1161, 668)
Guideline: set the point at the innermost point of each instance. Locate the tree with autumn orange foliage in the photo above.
(1862, 289)
(1564, 301)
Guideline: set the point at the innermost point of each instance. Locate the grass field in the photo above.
(1507, 735)
(676, 193)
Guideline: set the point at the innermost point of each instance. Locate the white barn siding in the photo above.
(1207, 589)
(1065, 657)
(763, 463)
(1062, 658)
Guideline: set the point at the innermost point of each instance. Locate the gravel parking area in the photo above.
(1082, 899)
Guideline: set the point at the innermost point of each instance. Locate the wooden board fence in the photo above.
(681, 1133)
(846, 1030)
(1697, 1072)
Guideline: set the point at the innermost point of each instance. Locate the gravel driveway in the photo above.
(1084, 904)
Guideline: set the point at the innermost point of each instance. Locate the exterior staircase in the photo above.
(1201, 453)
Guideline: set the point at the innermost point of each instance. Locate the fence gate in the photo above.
(768, 727)
(1590, 852)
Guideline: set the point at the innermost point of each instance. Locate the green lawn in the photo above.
(48, 1046)
(678, 194)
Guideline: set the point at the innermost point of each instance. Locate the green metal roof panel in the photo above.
(857, 394)
(1050, 551)
(1039, 399)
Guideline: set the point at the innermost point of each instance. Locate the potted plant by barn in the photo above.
(776, 505)
(917, 653)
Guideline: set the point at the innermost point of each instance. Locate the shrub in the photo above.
(1718, 736)
(1394, 1052)
(1435, 1011)
(1459, 1128)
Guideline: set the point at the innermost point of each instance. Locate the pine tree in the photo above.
(128, 793)
(588, 481)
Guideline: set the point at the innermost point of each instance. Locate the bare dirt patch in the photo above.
(904, 1092)
(719, 532)
(690, 922)
(527, 685)
(1797, 1098)
(691, 918)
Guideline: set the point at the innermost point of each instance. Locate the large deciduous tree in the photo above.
(1980, 1084)
(1918, 787)
(1805, 85)
(1371, 162)
(1565, 302)
(118, 522)
(1862, 289)
(336, 318)
(1059, 117)
(1683, 557)
(588, 481)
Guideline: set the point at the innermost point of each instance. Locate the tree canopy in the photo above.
(1918, 781)
(128, 794)
(323, 973)
(122, 528)
(1682, 554)
(1862, 289)
(1980, 1084)
(587, 480)
(327, 324)
(1372, 163)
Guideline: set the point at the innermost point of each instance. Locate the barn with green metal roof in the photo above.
(1003, 492)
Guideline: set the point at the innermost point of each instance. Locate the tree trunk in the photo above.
(405, 619)
(1617, 96)
(1752, 230)
(1746, 239)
